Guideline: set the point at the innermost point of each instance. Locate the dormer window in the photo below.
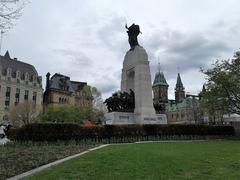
(4, 72)
(8, 72)
(23, 76)
(18, 74)
(63, 84)
(14, 74)
(27, 76)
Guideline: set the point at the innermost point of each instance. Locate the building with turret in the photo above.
(160, 93)
(60, 90)
(19, 82)
(185, 109)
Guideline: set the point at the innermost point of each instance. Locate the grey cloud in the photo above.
(184, 50)
(108, 83)
(77, 58)
(112, 34)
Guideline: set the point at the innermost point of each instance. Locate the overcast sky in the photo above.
(87, 41)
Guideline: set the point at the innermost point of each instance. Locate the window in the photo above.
(182, 115)
(17, 96)
(34, 97)
(26, 95)
(8, 93)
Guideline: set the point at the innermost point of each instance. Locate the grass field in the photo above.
(179, 160)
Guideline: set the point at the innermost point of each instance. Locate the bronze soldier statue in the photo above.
(133, 31)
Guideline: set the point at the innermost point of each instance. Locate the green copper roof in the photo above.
(186, 103)
(179, 81)
(175, 107)
(160, 79)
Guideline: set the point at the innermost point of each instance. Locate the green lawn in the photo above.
(180, 160)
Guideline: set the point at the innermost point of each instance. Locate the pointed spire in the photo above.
(7, 55)
(179, 83)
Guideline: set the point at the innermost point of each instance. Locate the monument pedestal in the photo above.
(124, 118)
(136, 76)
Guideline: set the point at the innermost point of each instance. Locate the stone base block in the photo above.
(121, 118)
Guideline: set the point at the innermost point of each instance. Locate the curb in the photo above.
(36, 170)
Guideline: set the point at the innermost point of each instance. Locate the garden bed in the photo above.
(16, 158)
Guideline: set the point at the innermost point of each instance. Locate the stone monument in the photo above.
(136, 77)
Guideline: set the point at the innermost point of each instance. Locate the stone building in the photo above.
(185, 109)
(160, 93)
(185, 112)
(19, 82)
(60, 90)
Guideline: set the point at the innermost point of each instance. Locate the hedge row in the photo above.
(62, 131)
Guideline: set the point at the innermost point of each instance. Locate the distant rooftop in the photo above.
(7, 62)
(58, 80)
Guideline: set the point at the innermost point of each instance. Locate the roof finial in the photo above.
(159, 69)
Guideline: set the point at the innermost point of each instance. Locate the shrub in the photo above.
(68, 114)
(123, 133)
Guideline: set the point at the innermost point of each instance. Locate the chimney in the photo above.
(47, 80)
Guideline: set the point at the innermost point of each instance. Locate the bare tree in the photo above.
(98, 106)
(10, 11)
(97, 100)
(24, 113)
